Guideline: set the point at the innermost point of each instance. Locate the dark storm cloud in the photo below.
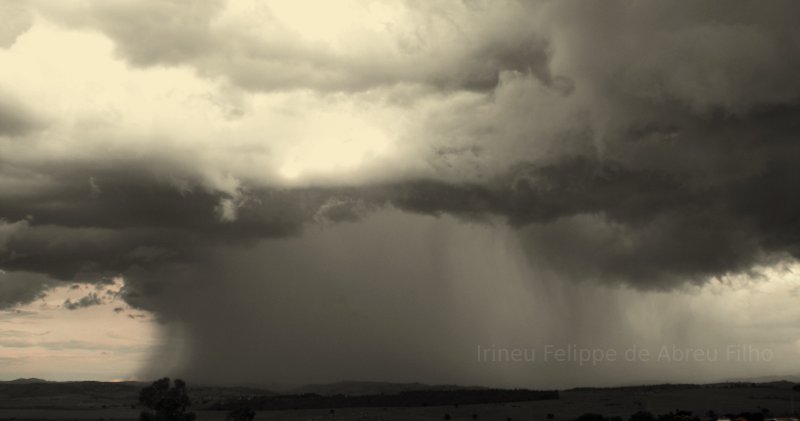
(62, 228)
(592, 219)
(22, 287)
(645, 144)
(343, 209)
(714, 197)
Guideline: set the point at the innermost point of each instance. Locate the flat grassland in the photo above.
(776, 398)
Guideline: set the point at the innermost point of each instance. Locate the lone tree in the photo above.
(165, 403)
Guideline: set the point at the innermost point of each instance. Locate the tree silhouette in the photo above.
(165, 403)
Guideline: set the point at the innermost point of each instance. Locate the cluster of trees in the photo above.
(165, 403)
(170, 403)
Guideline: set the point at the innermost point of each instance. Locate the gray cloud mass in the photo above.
(649, 145)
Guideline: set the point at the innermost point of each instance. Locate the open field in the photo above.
(777, 397)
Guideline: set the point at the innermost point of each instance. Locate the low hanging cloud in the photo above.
(22, 287)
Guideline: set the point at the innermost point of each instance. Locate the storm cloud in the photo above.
(22, 287)
(647, 145)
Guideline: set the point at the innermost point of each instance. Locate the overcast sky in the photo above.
(310, 191)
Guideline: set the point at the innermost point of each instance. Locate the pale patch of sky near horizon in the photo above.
(44, 339)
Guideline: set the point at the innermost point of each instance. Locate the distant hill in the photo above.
(24, 381)
(360, 388)
(58, 395)
(37, 393)
(42, 394)
(782, 384)
(768, 379)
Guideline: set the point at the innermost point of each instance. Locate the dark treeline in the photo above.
(680, 415)
(408, 398)
(676, 386)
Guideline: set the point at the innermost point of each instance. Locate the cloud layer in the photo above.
(648, 145)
